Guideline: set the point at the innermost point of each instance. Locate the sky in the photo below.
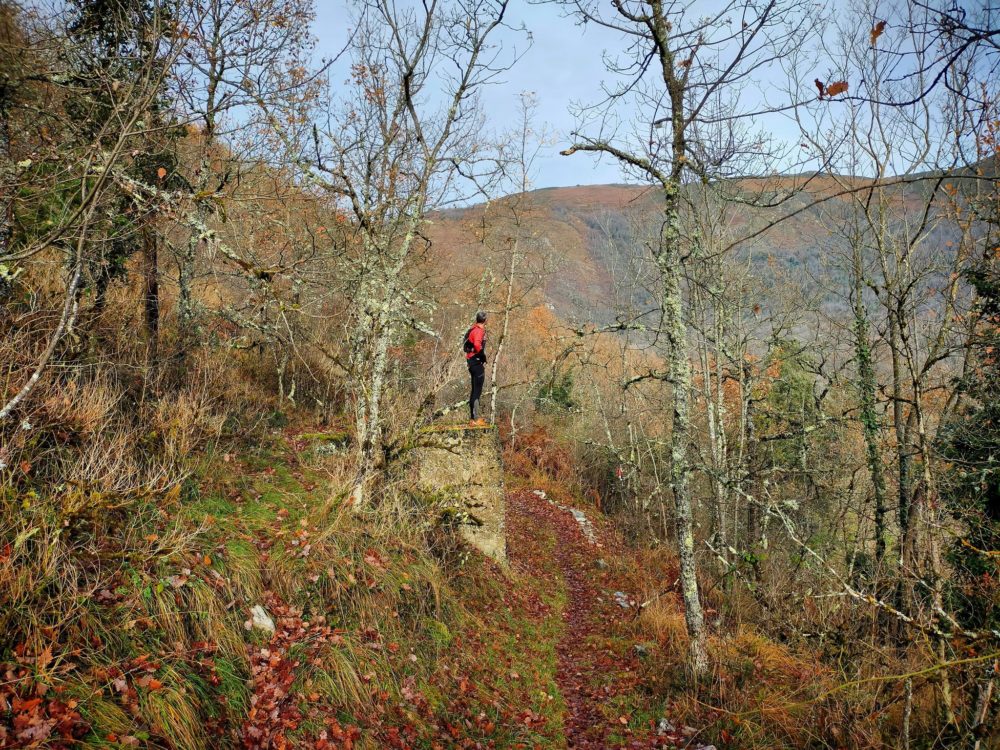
(562, 67)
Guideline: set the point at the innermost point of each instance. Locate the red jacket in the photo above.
(477, 337)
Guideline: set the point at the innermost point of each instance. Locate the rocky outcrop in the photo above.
(462, 468)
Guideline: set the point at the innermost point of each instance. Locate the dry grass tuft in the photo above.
(663, 622)
(185, 422)
(174, 713)
(338, 680)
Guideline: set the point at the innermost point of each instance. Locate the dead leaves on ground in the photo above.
(29, 716)
(276, 710)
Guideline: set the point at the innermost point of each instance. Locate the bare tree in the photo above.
(525, 261)
(406, 139)
(243, 60)
(675, 70)
(905, 257)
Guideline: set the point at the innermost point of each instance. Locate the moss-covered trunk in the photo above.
(668, 260)
(379, 306)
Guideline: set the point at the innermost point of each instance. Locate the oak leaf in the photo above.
(840, 87)
(877, 31)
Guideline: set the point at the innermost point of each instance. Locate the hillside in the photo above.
(593, 230)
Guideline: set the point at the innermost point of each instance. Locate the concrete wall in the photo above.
(464, 466)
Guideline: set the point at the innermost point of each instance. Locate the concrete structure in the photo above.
(462, 469)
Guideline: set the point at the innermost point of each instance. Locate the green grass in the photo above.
(337, 437)
(239, 520)
(188, 577)
(212, 506)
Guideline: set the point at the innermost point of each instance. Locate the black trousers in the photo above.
(478, 373)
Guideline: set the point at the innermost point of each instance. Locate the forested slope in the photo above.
(590, 232)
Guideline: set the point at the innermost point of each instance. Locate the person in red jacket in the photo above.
(475, 357)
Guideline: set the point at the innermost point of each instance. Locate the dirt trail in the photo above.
(592, 669)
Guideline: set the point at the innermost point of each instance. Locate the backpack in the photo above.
(467, 345)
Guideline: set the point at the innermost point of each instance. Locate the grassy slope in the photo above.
(389, 634)
(377, 640)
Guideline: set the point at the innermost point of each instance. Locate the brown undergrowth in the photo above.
(758, 692)
(126, 602)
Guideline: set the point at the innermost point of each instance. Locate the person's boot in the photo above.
(473, 408)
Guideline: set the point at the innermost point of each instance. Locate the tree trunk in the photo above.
(904, 590)
(7, 197)
(902, 438)
(187, 318)
(719, 442)
(669, 264)
(870, 423)
(503, 330)
(188, 323)
(368, 415)
(984, 695)
(755, 528)
(931, 523)
(710, 364)
(151, 293)
(378, 304)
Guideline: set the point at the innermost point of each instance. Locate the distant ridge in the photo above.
(591, 230)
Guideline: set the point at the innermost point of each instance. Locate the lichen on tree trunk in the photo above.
(668, 262)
